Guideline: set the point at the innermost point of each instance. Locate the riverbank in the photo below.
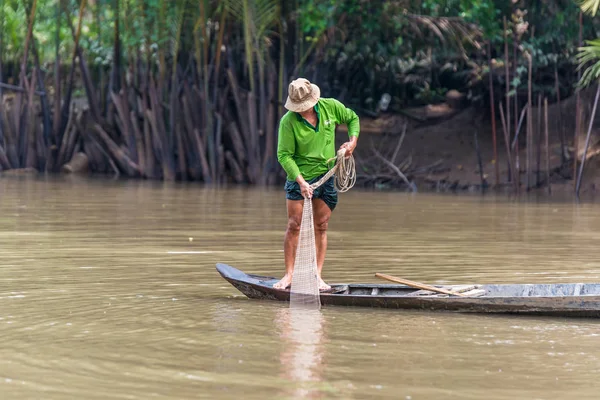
(446, 147)
(456, 153)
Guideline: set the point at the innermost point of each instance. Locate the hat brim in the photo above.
(306, 104)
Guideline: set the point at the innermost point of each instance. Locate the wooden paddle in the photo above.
(417, 284)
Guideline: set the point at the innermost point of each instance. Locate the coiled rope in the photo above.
(344, 170)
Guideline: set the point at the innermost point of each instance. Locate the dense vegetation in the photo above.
(192, 89)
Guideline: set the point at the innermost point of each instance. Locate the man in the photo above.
(306, 143)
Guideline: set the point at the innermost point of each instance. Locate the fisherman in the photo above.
(305, 148)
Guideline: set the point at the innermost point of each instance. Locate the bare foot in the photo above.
(323, 285)
(284, 283)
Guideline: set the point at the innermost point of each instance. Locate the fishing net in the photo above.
(304, 291)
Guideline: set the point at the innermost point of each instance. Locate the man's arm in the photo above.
(347, 116)
(286, 147)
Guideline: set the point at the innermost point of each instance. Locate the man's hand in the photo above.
(305, 188)
(349, 146)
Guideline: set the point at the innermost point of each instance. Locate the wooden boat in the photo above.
(559, 299)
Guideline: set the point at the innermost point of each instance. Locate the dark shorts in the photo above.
(325, 192)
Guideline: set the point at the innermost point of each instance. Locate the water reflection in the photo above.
(302, 358)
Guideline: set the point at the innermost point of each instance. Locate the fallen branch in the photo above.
(406, 164)
(523, 112)
(95, 143)
(395, 169)
(393, 160)
(19, 89)
(238, 174)
(115, 151)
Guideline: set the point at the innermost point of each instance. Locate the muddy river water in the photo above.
(108, 289)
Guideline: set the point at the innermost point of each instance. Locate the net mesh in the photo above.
(304, 292)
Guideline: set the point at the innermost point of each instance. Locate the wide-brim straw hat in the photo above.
(302, 95)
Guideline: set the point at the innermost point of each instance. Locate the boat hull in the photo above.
(540, 299)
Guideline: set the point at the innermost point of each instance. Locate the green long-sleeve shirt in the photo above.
(302, 149)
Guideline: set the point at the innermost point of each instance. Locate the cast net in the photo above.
(304, 291)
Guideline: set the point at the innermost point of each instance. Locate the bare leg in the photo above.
(321, 215)
(294, 210)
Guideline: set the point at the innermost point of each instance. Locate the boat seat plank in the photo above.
(475, 293)
(459, 289)
(463, 288)
(420, 293)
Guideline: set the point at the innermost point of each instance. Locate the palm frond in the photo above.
(449, 31)
(236, 9)
(586, 55)
(13, 27)
(589, 6)
(266, 13)
(176, 23)
(256, 18)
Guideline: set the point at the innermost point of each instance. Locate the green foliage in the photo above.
(414, 50)
(485, 14)
(590, 53)
(14, 27)
(430, 96)
(586, 55)
(256, 17)
(317, 15)
(385, 48)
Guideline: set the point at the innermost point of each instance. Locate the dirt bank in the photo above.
(443, 152)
